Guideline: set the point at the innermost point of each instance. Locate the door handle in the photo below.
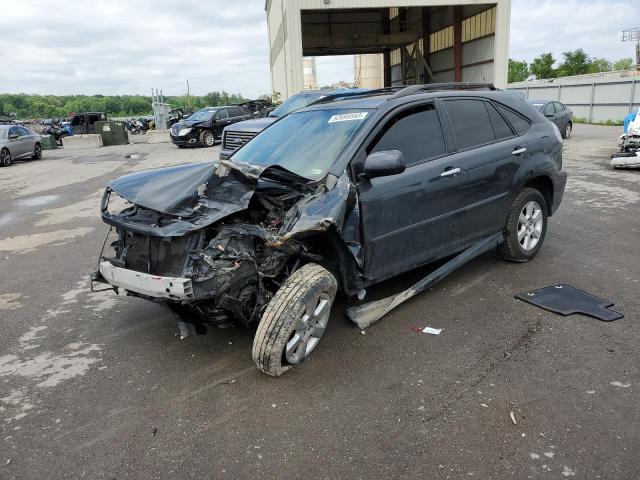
(450, 172)
(519, 151)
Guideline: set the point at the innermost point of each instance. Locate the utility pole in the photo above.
(188, 98)
(633, 35)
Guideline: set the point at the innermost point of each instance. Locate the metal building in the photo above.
(368, 70)
(422, 41)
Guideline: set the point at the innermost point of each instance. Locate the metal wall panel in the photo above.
(479, 50)
(448, 76)
(596, 99)
(612, 93)
(442, 60)
(478, 73)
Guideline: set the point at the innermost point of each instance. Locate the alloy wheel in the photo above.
(38, 151)
(309, 328)
(530, 223)
(5, 158)
(208, 139)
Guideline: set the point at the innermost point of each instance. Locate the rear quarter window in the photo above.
(519, 123)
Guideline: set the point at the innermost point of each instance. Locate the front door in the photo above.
(411, 218)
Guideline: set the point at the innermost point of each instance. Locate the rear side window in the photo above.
(23, 131)
(415, 132)
(237, 112)
(471, 123)
(222, 114)
(500, 126)
(518, 122)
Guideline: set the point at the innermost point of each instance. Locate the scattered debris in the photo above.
(432, 331)
(513, 418)
(362, 332)
(549, 454)
(620, 384)
(154, 431)
(534, 456)
(484, 405)
(566, 300)
(567, 472)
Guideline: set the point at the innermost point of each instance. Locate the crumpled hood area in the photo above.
(197, 194)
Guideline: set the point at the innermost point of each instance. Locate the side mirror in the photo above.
(13, 136)
(383, 164)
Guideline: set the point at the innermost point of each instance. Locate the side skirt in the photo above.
(367, 314)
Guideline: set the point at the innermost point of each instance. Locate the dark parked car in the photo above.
(558, 113)
(204, 127)
(236, 136)
(18, 142)
(339, 195)
(84, 123)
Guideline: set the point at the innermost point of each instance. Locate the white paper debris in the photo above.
(432, 331)
(513, 418)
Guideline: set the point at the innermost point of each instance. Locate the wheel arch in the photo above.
(336, 257)
(544, 185)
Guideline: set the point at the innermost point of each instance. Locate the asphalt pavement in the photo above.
(100, 386)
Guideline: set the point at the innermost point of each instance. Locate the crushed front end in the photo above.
(200, 239)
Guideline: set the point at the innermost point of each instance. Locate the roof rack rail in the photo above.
(360, 93)
(414, 89)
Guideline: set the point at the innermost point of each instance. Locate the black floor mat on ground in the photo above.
(565, 300)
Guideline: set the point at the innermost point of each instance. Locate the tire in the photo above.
(5, 158)
(207, 138)
(284, 337)
(568, 130)
(526, 226)
(37, 152)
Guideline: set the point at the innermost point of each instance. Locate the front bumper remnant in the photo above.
(174, 288)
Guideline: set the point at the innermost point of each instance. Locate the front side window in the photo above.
(13, 131)
(416, 133)
(549, 110)
(305, 143)
(202, 115)
(23, 131)
(471, 122)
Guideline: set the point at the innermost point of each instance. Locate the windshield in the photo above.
(306, 143)
(296, 102)
(201, 115)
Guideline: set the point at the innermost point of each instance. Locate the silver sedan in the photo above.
(18, 142)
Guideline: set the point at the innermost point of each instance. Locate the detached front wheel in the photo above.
(294, 320)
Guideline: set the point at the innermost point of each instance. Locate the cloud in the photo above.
(128, 47)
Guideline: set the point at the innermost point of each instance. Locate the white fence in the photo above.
(594, 98)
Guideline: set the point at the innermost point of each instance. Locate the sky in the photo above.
(121, 47)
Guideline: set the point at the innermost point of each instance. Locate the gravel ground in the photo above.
(99, 386)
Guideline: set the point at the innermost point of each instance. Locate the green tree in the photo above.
(575, 63)
(623, 64)
(598, 65)
(542, 66)
(518, 70)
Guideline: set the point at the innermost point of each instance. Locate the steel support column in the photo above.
(457, 43)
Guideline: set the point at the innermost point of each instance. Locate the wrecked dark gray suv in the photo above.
(337, 196)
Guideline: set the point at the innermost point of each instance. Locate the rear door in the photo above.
(490, 153)
(411, 218)
(28, 140)
(221, 120)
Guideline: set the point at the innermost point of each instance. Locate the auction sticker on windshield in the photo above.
(346, 117)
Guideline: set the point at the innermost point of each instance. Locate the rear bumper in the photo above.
(559, 183)
(172, 288)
